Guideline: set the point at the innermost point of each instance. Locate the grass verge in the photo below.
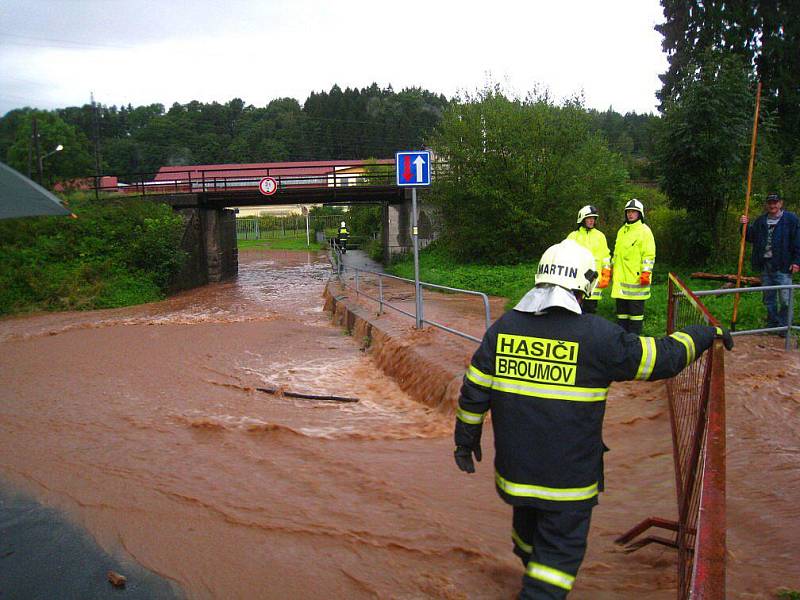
(278, 244)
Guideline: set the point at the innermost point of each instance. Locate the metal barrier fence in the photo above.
(340, 269)
(697, 415)
(288, 226)
(786, 329)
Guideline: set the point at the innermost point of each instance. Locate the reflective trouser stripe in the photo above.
(524, 490)
(688, 343)
(623, 316)
(550, 575)
(520, 543)
(636, 317)
(648, 360)
(470, 418)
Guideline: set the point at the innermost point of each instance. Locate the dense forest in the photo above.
(338, 124)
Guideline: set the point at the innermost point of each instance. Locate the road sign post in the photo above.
(413, 170)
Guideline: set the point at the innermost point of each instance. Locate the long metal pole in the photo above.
(790, 311)
(415, 238)
(746, 205)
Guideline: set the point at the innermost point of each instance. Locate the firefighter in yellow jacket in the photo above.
(634, 259)
(594, 240)
(543, 369)
(341, 237)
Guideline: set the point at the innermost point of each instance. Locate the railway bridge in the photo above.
(205, 195)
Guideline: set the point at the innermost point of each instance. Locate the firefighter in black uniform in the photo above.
(341, 237)
(544, 369)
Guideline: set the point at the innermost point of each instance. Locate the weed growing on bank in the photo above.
(118, 252)
(513, 281)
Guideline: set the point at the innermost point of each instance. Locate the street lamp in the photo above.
(59, 148)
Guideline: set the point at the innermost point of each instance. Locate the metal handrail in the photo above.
(340, 268)
(790, 318)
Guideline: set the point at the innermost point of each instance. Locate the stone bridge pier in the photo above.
(209, 239)
(397, 225)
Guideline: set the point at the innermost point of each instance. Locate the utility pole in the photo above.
(36, 150)
(96, 131)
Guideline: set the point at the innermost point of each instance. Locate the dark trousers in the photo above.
(630, 315)
(551, 545)
(589, 306)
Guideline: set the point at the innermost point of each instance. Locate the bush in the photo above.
(116, 253)
(518, 170)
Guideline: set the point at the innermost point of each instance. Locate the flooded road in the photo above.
(145, 427)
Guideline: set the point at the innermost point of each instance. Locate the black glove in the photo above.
(463, 455)
(727, 338)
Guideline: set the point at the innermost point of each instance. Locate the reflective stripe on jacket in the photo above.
(545, 379)
(634, 252)
(594, 241)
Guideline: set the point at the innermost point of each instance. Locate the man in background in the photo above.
(775, 236)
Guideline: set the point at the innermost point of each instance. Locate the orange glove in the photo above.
(644, 278)
(605, 278)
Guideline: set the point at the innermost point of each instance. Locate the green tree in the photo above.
(704, 143)
(73, 161)
(764, 33)
(518, 170)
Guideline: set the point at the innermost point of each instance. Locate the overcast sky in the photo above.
(55, 53)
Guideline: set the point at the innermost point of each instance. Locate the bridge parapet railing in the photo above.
(219, 179)
(358, 275)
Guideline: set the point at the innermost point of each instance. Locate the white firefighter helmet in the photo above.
(569, 265)
(342, 225)
(634, 204)
(586, 212)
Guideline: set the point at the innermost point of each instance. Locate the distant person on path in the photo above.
(775, 236)
(594, 240)
(543, 369)
(341, 237)
(634, 259)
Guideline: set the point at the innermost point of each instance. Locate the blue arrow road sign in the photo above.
(413, 168)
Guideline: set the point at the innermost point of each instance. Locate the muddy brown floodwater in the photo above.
(144, 426)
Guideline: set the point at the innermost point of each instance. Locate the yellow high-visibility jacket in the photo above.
(595, 242)
(634, 252)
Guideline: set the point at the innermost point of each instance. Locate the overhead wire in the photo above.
(49, 42)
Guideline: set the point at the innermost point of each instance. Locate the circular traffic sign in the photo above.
(268, 186)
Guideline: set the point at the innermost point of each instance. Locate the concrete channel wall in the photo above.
(426, 370)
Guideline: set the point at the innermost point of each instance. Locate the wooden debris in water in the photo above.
(116, 579)
(324, 397)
